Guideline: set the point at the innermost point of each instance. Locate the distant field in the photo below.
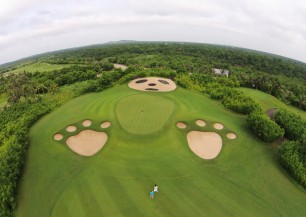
(39, 66)
(3, 100)
(244, 180)
(267, 101)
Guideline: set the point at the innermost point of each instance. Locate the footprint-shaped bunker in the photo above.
(87, 142)
(206, 145)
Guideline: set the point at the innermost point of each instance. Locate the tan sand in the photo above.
(87, 142)
(218, 126)
(105, 124)
(58, 137)
(181, 125)
(71, 128)
(231, 136)
(206, 145)
(86, 123)
(120, 66)
(201, 123)
(153, 84)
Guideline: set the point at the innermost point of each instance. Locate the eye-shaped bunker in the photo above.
(153, 84)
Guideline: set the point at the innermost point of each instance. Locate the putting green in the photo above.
(243, 180)
(143, 114)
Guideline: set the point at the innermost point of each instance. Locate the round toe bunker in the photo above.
(87, 123)
(58, 137)
(200, 123)
(71, 128)
(231, 136)
(181, 125)
(105, 124)
(218, 126)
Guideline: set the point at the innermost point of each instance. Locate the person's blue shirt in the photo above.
(152, 193)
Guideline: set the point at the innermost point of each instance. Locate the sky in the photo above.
(29, 27)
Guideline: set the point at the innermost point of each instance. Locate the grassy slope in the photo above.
(267, 101)
(39, 66)
(244, 180)
(3, 100)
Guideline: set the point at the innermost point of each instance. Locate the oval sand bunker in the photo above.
(231, 136)
(71, 128)
(105, 124)
(87, 142)
(206, 145)
(201, 123)
(181, 125)
(218, 126)
(58, 137)
(86, 123)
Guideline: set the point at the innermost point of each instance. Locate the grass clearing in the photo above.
(244, 180)
(3, 99)
(266, 101)
(38, 67)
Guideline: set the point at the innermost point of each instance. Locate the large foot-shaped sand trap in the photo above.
(153, 84)
(87, 142)
(206, 145)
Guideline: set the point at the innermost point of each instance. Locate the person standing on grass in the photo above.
(151, 194)
(155, 189)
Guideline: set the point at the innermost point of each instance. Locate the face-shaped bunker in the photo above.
(206, 145)
(153, 84)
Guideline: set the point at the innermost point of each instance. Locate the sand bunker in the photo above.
(206, 145)
(181, 125)
(231, 136)
(153, 84)
(105, 124)
(218, 126)
(87, 142)
(71, 128)
(201, 123)
(58, 137)
(120, 66)
(86, 123)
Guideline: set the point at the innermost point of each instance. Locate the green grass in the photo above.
(143, 114)
(266, 101)
(3, 100)
(244, 180)
(39, 66)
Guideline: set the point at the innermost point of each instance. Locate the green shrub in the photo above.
(293, 161)
(263, 127)
(293, 124)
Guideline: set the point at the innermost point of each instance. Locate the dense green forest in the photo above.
(90, 69)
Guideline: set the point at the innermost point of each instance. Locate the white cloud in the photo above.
(34, 26)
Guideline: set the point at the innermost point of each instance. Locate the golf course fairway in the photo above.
(243, 180)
